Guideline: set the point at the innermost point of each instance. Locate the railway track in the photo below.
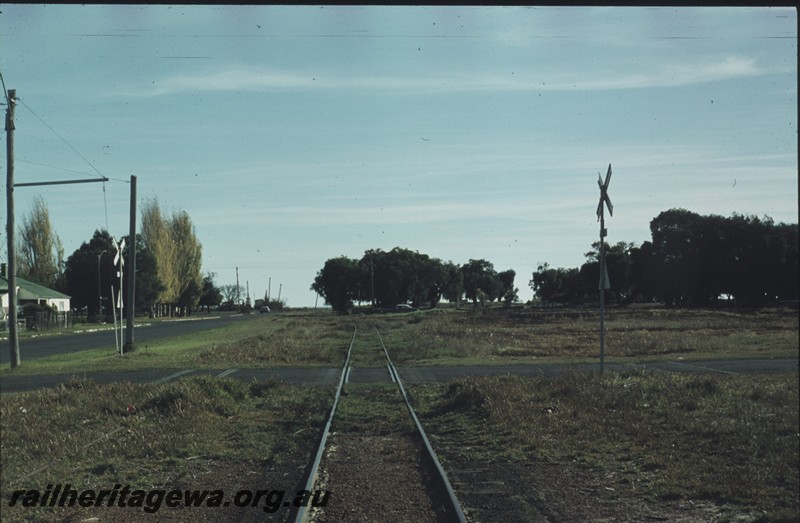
(374, 456)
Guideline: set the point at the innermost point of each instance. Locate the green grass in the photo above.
(455, 337)
(721, 439)
(288, 341)
(375, 408)
(260, 341)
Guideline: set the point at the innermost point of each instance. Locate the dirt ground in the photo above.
(376, 478)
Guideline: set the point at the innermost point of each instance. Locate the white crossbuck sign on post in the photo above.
(605, 283)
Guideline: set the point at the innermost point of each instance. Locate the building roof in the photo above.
(29, 290)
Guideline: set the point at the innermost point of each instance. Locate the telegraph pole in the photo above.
(372, 280)
(99, 290)
(13, 338)
(237, 287)
(129, 315)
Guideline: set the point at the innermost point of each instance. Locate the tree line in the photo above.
(691, 260)
(168, 263)
(385, 279)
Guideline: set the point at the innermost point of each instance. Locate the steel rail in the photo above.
(456, 506)
(301, 515)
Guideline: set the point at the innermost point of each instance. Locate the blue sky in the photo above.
(294, 134)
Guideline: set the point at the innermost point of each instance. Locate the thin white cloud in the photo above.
(673, 75)
(246, 78)
(234, 79)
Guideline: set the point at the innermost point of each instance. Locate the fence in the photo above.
(42, 321)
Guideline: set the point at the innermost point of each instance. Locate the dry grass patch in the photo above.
(303, 341)
(527, 335)
(724, 440)
(197, 432)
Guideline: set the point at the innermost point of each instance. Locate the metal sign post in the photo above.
(604, 282)
(114, 312)
(118, 259)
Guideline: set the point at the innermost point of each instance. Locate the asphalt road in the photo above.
(330, 376)
(102, 337)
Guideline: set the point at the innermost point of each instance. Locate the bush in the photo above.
(276, 305)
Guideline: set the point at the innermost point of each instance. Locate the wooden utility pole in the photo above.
(99, 290)
(129, 315)
(238, 298)
(371, 280)
(13, 339)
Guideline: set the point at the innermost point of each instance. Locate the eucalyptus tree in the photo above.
(480, 279)
(399, 276)
(429, 280)
(558, 285)
(508, 293)
(619, 266)
(338, 282)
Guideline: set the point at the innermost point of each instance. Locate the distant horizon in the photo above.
(295, 134)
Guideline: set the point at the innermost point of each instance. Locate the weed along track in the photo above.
(374, 456)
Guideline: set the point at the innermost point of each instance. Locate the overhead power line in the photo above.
(90, 164)
(65, 169)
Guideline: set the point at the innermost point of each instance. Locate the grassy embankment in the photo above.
(730, 441)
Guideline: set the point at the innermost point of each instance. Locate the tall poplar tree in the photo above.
(188, 260)
(177, 254)
(155, 233)
(39, 249)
